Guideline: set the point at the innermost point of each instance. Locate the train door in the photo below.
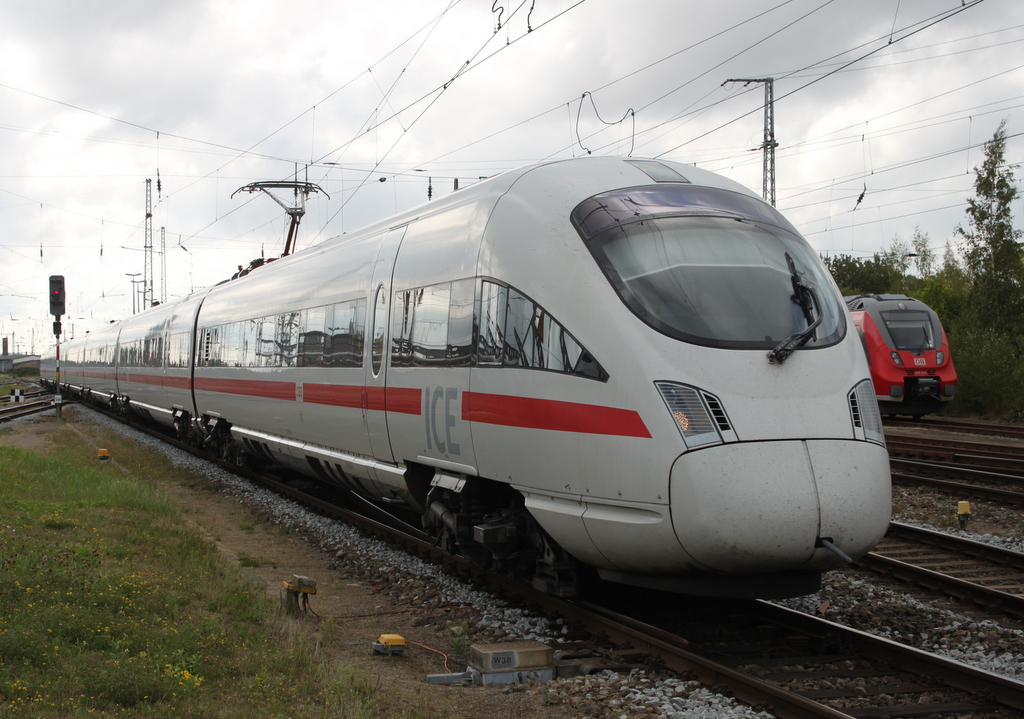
(374, 416)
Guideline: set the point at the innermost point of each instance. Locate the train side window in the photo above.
(247, 330)
(430, 325)
(460, 324)
(515, 331)
(520, 337)
(264, 348)
(380, 319)
(286, 339)
(491, 339)
(345, 327)
(211, 352)
(401, 329)
(177, 349)
(311, 338)
(230, 341)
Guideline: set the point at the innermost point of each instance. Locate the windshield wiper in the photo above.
(805, 296)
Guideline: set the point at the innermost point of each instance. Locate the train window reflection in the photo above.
(911, 330)
(491, 342)
(311, 338)
(520, 341)
(345, 326)
(531, 337)
(716, 281)
(380, 318)
(430, 325)
(460, 323)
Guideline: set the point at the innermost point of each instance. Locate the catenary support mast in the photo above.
(769, 144)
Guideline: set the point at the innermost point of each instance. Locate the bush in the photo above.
(990, 374)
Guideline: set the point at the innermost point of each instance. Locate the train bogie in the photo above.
(633, 366)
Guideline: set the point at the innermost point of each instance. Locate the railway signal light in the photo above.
(56, 295)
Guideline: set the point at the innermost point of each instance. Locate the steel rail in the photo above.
(960, 488)
(968, 457)
(975, 591)
(982, 475)
(1006, 691)
(17, 410)
(998, 430)
(958, 445)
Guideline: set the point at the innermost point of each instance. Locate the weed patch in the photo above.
(111, 605)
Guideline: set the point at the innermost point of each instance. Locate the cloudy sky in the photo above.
(891, 99)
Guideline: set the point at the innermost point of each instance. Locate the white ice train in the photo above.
(632, 366)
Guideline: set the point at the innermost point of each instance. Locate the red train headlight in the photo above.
(896, 358)
(940, 357)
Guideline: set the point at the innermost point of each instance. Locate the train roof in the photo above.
(870, 301)
(565, 182)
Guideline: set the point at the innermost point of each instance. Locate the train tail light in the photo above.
(864, 411)
(691, 414)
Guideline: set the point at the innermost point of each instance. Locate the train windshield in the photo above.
(911, 330)
(709, 275)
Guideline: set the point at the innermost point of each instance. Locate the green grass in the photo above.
(110, 605)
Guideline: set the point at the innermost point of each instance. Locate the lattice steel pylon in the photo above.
(769, 144)
(147, 270)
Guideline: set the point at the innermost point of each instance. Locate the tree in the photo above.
(855, 276)
(947, 290)
(925, 259)
(991, 247)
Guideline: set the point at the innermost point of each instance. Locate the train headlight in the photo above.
(691, 414)
(940, 357)
(896, 358)
(864, 411)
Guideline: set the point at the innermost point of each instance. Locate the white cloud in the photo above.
(87, 86)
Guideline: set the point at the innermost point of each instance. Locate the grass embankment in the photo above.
(110, 604)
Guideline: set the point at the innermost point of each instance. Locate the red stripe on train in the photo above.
(336, 395)
(248, 387)
(393, 399)
(532, 413)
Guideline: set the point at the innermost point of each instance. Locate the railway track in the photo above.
(1014, 431)
(987, 575)
(957, 453)
(792, 664)
(17, 410)
(835, 671)
(966, 469)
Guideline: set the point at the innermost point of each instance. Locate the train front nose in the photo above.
(766, 506)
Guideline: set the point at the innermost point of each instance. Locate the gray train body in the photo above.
(631, 366)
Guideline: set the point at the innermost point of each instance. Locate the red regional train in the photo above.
(911, 366)
(613, 365)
